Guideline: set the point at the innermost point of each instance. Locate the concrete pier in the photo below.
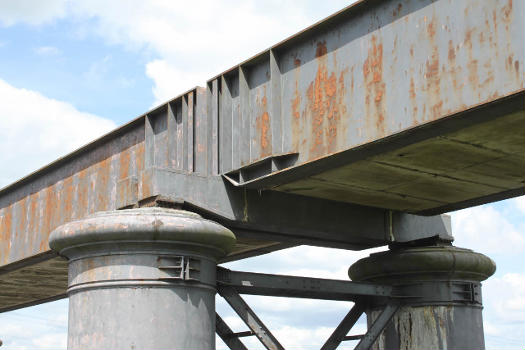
(142, 279)
(447, 312)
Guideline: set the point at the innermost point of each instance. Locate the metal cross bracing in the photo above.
(386, 298)
(232, 283)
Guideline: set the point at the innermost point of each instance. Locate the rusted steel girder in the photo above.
(328, 138)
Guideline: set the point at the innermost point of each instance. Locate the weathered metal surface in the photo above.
(72, 189)
(433, 328)
(413, 106)
(259, 214)
(142, 279)
(443, 317)
(375, 70)
(425, 263)
(381, 69)
(299, 287)
(480, 163)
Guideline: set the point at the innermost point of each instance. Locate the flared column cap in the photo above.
(423, 263)
(144, 225)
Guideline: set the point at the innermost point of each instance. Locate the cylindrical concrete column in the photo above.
(142, 279)
(446, 312)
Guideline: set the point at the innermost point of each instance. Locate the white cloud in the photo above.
(506, 296)
(37, 130)
(33, 12)
(171, 81)
(519, 202)
(39, 327)
(98, 69)
(298, 338)
(51, 341)
(504, 311)
(305, 261)
(486, 230)
(47, 51)
(194, 41)
(224, 28)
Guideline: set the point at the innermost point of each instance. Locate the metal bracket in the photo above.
(439, 292)
(466, 292)
(249, 175)
(179, 268)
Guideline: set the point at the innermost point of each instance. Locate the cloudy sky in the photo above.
(71, 71)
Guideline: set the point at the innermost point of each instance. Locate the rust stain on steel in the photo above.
(297, 124)
(452, 67)
(325, 100)
(140, 156)
(124, 161)
(6, 225)
(507, 12)
(451, 51)
(22, 219)
(25, 224)
(32, 221)
(146, 184)
(48, 223)
(432, 73)
(102, 186)
(321, 49)
(352, 80)
(374, 87)
(472, 65)
(397, 10)
(296, 102)
(263, 126)
(82, 194)
(67, 192)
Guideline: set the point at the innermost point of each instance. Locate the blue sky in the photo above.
(71, 71)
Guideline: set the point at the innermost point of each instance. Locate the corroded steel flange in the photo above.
(423, 263)
(143, 226)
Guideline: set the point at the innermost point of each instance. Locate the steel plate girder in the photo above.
(358, 79)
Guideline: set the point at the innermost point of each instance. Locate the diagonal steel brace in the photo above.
(344, 327)
(227, 335)
(250, 318)
(377, 327)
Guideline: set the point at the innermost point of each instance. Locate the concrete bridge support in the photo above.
(142, 279)
(444, 310)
